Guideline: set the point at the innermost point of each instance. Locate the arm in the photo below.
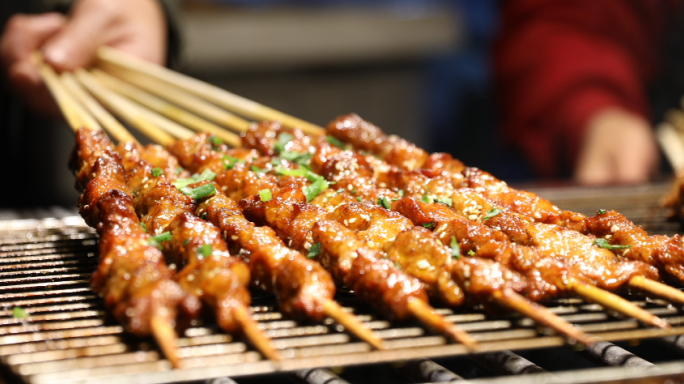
(571, 85)
(135, 26)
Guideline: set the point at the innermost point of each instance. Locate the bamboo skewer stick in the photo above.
(540, 314)
(165, 108)
(251, 330)
(126, 109)
(658, 289)
(179, 97)
(427, 315)
(617, 303)
(73, 112)
(162, 330)
(351, 323)
(207, 91)
(166, 337)
(111, 125)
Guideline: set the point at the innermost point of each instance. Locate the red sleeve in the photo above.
(557, 62)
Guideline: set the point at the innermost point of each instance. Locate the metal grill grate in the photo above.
(68, 337)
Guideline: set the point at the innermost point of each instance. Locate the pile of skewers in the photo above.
(296, 210)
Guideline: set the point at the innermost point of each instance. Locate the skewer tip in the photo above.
(617, 303)
(166, 337)
(657, 288)
(352, 324)
(252, 331)
(540, 314)
(426, 314)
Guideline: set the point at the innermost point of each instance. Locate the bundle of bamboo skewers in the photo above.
(162, 105)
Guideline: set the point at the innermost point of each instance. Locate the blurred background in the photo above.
(421, 69)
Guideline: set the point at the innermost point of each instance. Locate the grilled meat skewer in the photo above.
(208, 271)
(132, 276)
(665, 253)
(304, 290)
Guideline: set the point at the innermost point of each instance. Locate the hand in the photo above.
(135, 26)
(619, 147)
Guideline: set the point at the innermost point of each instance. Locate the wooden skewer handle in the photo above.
(427, 315)
(207, 91)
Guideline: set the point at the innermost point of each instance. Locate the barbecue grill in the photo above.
(68, 337)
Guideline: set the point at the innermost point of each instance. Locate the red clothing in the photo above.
(557, 62)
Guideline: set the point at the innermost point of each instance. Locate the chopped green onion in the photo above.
(265, 195)
(446, 201)
(205, 250)
(493, 212)
(426, 199)
(215, 141)
(203, 216)
(19, 313)
(601, 212)
(340, 190)
(384, 202)
(353, 191)
(430, 224)
(315, 188)
(156, 172)
(455, 248)
(186, 241)
(400, 192)
(144, 227)
(200, 192)
(471, 253)
(196, 178)
(256, 169)
(360, 200)
(314, 251)
(229, 162)
(283, 140)
(280, 170)
(166, 236)
(298, 158)
(179, 170)
(603, 243)
(335, 141)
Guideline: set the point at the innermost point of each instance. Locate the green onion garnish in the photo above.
(196, 178)
(384, 202)
(179, 170)
(144, 227)
(265, 195)
(426, 199)
(165, 236)
(156, 172)
(256, 169)
(400, 192)
(493, 212)
(19, 313)
(455, 248)
(315, 188)
(314, 251)
(360, 200)
(471, 253)
(186, 241)
(280, 170)
(601, 212)
(200, 192)
(298, 158)
(430, 224)
(603, 243)
(229, 162)
(215, 141)
(446, 201)
(335, 141)
(205, 250)
(283, 140)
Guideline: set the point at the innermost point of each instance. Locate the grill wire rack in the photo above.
(68, 337)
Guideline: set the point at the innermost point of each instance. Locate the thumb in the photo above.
(74, 47)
